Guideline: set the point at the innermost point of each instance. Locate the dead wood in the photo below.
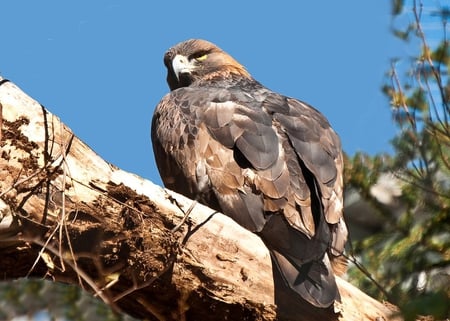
(70, 216)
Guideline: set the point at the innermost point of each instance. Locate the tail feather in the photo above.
(303, 262)
(313, 281)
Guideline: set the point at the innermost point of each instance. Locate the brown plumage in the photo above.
(270, 162)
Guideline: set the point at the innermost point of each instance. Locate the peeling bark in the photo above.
(69, 216)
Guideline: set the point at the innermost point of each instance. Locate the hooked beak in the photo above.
(181, 65)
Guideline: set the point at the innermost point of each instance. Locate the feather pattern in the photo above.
(271, 162)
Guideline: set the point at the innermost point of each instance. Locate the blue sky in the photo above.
(98, 64)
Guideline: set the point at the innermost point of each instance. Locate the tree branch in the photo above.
(69, 216)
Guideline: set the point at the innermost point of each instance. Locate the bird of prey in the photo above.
(270, 162)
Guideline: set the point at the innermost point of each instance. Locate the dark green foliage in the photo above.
(410, 257)
(54, 300)
(397, 6)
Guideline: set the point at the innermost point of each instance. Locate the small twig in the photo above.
(21, 181)
(361, 267)
(98, 292)
(436, 74)
(63, 200)
(147, 283)
(41, 251)
(185, 217)
(402, 101)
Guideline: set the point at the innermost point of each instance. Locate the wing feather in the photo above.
(275, 137)
(272, 163)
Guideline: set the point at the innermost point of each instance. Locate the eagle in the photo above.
(270, 162)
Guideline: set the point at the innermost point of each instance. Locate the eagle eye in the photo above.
(200, 56)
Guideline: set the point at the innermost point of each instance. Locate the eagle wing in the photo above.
(270, 162)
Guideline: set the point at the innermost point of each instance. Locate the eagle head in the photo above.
(196, 60)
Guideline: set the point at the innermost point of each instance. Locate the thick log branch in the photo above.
(68, 215)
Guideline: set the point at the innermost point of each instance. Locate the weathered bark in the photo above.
(68, 215)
